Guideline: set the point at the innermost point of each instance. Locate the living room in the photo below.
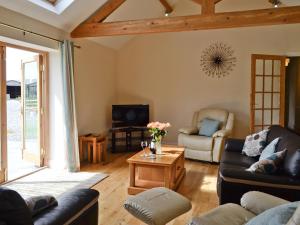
(176, 65)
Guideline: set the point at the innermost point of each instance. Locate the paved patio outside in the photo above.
(16, 165)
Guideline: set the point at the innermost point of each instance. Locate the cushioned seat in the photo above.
(239, 172)
(198, 143)
(201, 147)
(157, 206)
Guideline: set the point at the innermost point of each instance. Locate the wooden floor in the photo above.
(199, 186)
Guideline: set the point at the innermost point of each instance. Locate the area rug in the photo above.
(54, 182)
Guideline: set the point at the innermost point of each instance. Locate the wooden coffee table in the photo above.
(167, 170)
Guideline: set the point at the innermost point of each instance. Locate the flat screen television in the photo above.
(130, 115)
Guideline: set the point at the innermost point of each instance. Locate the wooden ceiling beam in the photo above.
(104, 11)
(262, 17)
(207, 7)
(167, 6)
(200, 1)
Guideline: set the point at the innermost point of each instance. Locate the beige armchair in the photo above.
(202, 147)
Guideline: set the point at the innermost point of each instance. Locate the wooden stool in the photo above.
(99, 154)
(92, 141)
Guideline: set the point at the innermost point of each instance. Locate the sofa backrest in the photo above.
(291, 142)
(215, 114)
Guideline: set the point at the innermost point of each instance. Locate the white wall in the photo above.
(164, 71)
(95, 86)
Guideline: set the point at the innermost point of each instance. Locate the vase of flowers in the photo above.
(158, 131)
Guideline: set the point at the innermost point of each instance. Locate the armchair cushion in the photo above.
(279, 215)
(196, 142)
(208, 127)
(258, 202)
(222, 133)
(188, 130)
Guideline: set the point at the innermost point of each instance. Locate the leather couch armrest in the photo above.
(188, 130)
(222, 133)
(70, 206)
(258, 202)
(234, 145)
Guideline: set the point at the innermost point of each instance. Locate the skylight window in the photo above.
(56, 6)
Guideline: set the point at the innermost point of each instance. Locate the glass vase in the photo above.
(158, 147)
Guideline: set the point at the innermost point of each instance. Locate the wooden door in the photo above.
(31, 110)
(3, 131)
(268, 91)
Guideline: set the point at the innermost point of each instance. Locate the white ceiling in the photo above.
(80, 10)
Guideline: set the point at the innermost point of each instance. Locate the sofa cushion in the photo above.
(279, 215)
(270, 149)
(291, 142)
(228, 214)
(196, 142)
(215, 114)
(13, 209)
(37, 204)
(235, 158)
(255, 143)
(269, 165)
(208, 127)
(295, 219)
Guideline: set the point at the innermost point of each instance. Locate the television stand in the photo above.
(128, 137)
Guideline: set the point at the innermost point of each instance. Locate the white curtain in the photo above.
(71, 132)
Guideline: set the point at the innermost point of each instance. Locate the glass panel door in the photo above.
(268, 91)
(31, 148)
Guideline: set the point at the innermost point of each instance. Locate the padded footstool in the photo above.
(157, 206)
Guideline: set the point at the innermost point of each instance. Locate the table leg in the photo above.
(132, 174)
(104, 151)
(95, 151)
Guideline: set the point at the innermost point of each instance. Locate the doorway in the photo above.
(23, 112)
(267, 91)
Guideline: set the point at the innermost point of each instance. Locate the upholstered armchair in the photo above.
(203, 147)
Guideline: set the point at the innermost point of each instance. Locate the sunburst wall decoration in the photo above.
(218, 60)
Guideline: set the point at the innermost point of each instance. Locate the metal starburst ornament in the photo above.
(217, 60)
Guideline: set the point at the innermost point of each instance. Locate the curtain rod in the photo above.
(34, 33)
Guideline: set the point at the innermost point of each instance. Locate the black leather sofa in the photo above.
(79, 207)
(234, 180)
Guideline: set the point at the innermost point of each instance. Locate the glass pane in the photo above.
(258, 101)
(268, 84)
(277, 66)
(276, 100)
(275, 117)
(267, 100)
(276, 84)
(31, 106)
(267, 117)
(268, 67)
(259, 84)
(259, 67)
(258, 117)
